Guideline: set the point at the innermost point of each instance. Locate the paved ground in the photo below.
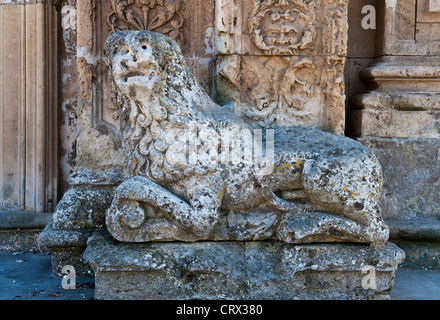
(416, 285)
(28, 277)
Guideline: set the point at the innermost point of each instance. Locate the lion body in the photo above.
(162, 108)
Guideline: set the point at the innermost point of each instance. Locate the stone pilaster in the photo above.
(28, 105)
(403, 101)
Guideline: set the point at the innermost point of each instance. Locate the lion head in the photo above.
(147, 76)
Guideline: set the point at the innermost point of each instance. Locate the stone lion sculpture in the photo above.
(319, 187)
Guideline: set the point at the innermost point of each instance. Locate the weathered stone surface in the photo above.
(239, 270)
(28, 105)
(301, 46)
(191, 23)
(163, 109)
(395, 124)
(66, 247)
(82, 208)
(87, 176)
(304, 91)
(415, 230)
(81, 211)
(404, 101)
(404, 29)
(286, 27)
(25, 220)
(411, 177)
(404, 74)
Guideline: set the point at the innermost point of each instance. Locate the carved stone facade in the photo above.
(158, 16)
(404, 81)
(290, 42)
(305, 63)
(395, 111)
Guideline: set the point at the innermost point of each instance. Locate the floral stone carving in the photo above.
(185, 184)
(155, 15)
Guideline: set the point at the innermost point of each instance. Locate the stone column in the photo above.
(405, 94)
(28, 105)
(399, 117)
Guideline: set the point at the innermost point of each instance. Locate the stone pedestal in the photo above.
(66, 248)
(77, 216)
(240, 270)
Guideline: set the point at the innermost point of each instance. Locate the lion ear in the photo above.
(114, 42)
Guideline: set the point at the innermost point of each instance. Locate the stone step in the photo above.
(420, 239)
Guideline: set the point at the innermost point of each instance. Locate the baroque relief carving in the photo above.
(228, 26)
(289, 93)
(334, 91)
(283, 26)
(155, 15)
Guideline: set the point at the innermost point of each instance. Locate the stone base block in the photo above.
(240, 270)
(66, 247)
(394, 123)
